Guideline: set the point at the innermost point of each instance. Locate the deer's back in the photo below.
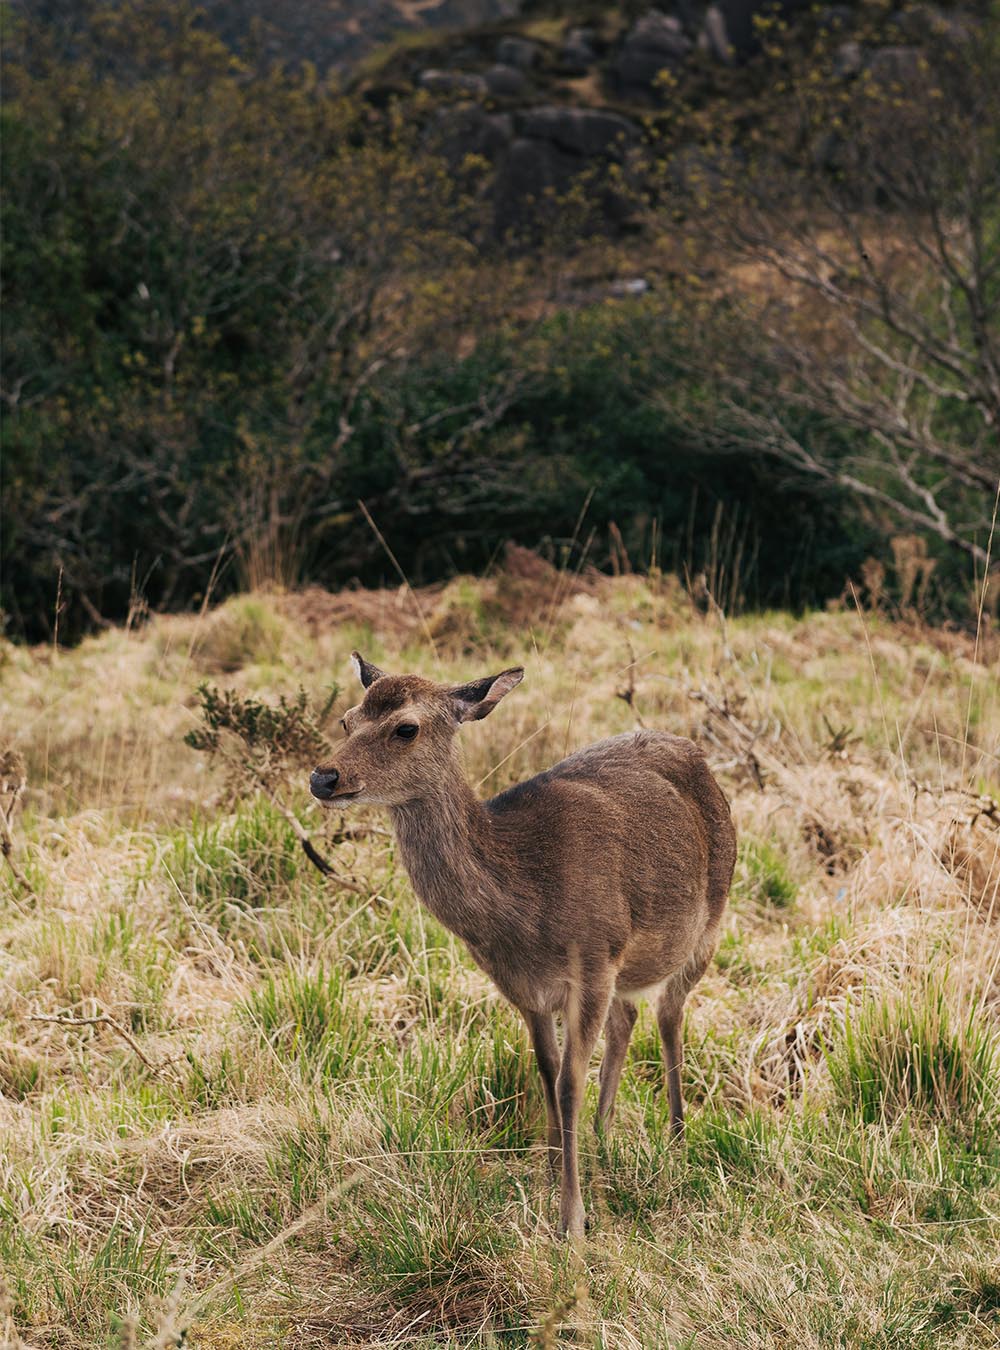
(628, 843)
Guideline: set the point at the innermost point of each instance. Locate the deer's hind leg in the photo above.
(617, 1033)
(670, 1019)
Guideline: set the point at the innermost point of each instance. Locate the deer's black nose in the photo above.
(322, 782)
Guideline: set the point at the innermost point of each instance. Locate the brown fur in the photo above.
(602, 878)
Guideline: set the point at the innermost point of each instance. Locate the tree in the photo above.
(848, 269)
(209, 274)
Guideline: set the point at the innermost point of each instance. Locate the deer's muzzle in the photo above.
(323, 783)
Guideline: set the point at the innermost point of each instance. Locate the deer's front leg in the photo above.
(542, 1028)
(585, 1016)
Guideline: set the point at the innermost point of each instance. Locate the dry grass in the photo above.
(240, 1103)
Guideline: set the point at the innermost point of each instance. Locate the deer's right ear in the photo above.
(365, 671)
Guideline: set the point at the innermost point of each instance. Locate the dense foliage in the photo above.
(238, 304)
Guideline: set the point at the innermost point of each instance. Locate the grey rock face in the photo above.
(521, 53)
(656, 42)
(577, 53)
(506, 81)
(452, 82)
(553, 147)
(714, 37)
(738, 16)
(577, 131)
(456, 132)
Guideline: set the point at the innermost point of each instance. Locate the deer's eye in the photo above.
(343, 723)
(407, 730)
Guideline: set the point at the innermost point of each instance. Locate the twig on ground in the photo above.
(106, 1020)
(737, 740)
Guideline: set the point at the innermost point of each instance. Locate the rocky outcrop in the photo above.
(578, 52)
(539, 154)
(655, 44)
(585, 132)
(519, 52)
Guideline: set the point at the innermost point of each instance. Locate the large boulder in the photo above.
(506, 81)
(519, 52)
(586, 132)
(452, 82)
(730, 31)
(654, 44)
(461, 130)
(553, 149)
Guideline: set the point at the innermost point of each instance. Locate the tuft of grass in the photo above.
(909, 1051)
(245, 861)
(308, 1019)
(245, 631)
(762, 875)
(436, 1255)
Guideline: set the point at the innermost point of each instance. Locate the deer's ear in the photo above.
(480, 697)
(365, 671)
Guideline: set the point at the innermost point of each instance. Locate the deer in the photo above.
(595, 884)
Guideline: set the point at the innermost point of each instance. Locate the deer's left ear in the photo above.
(365, 671)
(480, 697)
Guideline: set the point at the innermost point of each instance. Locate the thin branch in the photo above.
(105, 1020)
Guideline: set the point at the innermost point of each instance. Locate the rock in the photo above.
(506, 82)
(738, 17)
(848, 60)
(656, 42)
(577, 53)
(452, 82)
(729, 31)
(628, 286)
(527, 174)
(578, 131)
(714, 38)
(457, 132)
(521, 53)
(552, 149)
(538, 173)
(895, 65)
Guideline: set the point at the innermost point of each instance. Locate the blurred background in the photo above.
(325, 291)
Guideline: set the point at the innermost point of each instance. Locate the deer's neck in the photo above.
(448, 847)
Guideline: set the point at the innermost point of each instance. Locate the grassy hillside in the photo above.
(241, 1100)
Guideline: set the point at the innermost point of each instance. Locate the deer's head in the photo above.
(398, 738)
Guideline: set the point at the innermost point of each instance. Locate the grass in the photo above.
(303, 1117)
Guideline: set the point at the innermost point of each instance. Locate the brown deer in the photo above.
(595, 883)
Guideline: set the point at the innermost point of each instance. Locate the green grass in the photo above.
(911, 1052)
(762, 876)
(314, 1056)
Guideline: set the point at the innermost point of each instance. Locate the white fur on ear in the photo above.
(365, 671)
